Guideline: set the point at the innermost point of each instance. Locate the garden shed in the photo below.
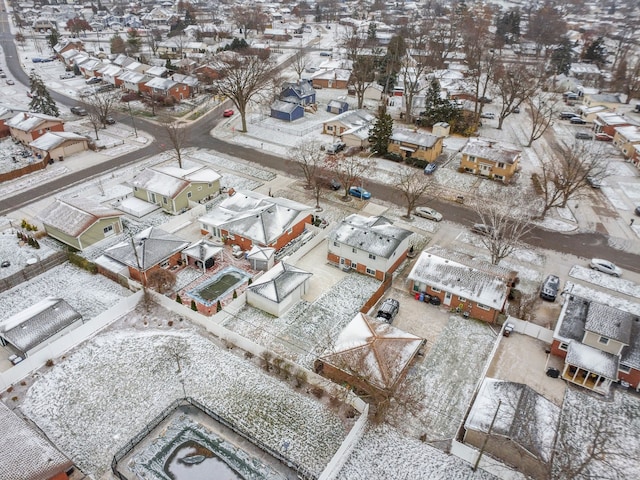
(286, 111)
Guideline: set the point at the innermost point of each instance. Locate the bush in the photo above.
(218, 306)
(83, 263)
(179, 299)
(235, 295)
(317, 392)
(394, 157)
(49, 363)
(194, 307)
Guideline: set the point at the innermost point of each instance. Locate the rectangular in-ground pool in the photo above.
(218, 286)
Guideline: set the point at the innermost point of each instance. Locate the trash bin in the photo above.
(422, 297)
(418, 296)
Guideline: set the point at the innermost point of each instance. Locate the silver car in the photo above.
(428, 213)
(605, 266)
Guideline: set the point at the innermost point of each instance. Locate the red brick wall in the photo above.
(333, 258)
(633, 377)
(490, 315)
(555, 349)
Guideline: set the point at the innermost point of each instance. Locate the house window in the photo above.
(210, 184)
(462, 299)
(371, 272)
(624, 368)
(499, 177)
(164, 200)
(469, 170)
(290, 231)
(483, 307)
(472, 159)
(165, 263)
(564, 347)
(330, 128)
(372, 256)
(108, 230)
(603, 340)
(336, 244)
(135, 189)
(434, 289)
(354, 265)
(189, 194)
(354, 250)
(500, 165)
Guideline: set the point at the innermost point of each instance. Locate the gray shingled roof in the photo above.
(609, 322)
(491, 150)
(376, 235)
(278, 283)
(152, 246)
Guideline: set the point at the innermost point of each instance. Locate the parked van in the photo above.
(66, 75)
(567, 115)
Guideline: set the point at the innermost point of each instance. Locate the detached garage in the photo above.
(286, 111)
(59, 145)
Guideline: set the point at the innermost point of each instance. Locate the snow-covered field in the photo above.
(93, 402)
(89, 294)
(602, 297)
(17, 255)
(619, 285)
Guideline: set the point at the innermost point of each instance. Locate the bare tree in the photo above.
(249, 17)
(542, 107)
(546, 26)
(627, 77)
(161, 280)
(100, 106)
(310, 158)
(412, 186)
(349, 169)
(564, 173)
(507, 218)
(514, 84)
(178, 136)
(243, 77)
(363, 63)
(299, 63)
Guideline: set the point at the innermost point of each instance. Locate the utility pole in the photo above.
(486, 438)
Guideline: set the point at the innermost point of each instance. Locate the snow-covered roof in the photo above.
(185, 79)
(51, 140)
(524, 416)
(489, 149)
(373, 351)
(152, 246)
(29, 328)
(421, 139)
(630, 132)
(159, 83)
(584, 68)
(202, 250)
(375, 235)
(611, 118)
(473, 279)
(605, 98)
(353, 118)
(279, 282)
(258, 217)
(592, 359)
(332, 74)
(29, 121)
(133, 77)
(260, 253)
(25, 454)
(609, 322)
(157, 71)
(287, 107)
(75, 216)
(159, 182)
(194, 174)
(110, 70)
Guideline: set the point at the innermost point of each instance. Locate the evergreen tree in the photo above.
(133, 39)
(380, 133)
(41, 101)
(53, 38)
(235, 295)
(596, 52)
(562, 57)
(194, 307)
(179, 299)
(437, 109)
(218, 306)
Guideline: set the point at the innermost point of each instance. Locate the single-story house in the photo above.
(513, 423)
(348, 120)
(490, 158)
(25, 127)
(247, 218)
(337, 106)
(333, 78)
(286, 111)
(172, 188)
(278, 289)
(36, 327)
(415, 144)
(369, 245)
(59, 145)
(477, 288)
(371, 356)
(610, 100)
(80, 223)
(606, 122)
(626, 139)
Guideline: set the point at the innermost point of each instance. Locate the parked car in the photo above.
(336, 147)
(325, 54)
(36, 60)
(334, 184)
(10, 82)
(515, 110)
(79, 111)
(388, 310)
(593, 182)
(577, 120)
(110, 121)
(603, 137)
(433, 300)
(429, 169)
(567, 115)
(490, 115)
(228, 113)
(359, 192)
(550, 287)
(482, 229)
(428, 213)
(93, 81)
(66, 75)
(584, 136)
(605, 266)
(485, 100)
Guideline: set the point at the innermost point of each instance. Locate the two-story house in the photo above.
(369, 245)
(25, 127)
(607, 122)
(415, 144)
(490, 158)
(600, 344)
(475, 288)
(352, 127)
(172, 188)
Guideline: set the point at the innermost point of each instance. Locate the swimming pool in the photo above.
(219, 286)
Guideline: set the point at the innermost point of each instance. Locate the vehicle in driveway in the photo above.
(10, 82)
(482, 229)
(593, 182)
(584, 136)
(550, 287)
(577, 121)
(433, 300)
(429, 169)
(567, 115)
(66, 75)
(335, 184)
(428, 213)
(79, 111)
(603, 137)
(93, 81)
(637, 210)
(388, 310)
(110, 121)
(605, 266)
(336, 147)
(359, 192)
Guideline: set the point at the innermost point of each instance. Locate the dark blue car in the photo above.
(359, 192)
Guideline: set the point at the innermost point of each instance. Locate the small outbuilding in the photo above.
(337, 106)
(261, 258)
(286, 111)
(279, 289)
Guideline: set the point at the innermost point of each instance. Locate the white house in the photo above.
(279, 289)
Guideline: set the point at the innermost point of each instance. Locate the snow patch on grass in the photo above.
(619, 285)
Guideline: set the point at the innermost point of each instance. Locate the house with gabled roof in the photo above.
(348, 121)
(247, 218)
(370, 356)
(279, 289)
(168, 87)
(607, 122)
(337, 106)
(600, 344)
(26, 454)
(626, 139)
(34, 328)
(415, 144)
(65, 45)
(370, 245)
(476, 288)
(59, 145)
(173, 188)
(490, 158)
(80, 223)
(145, 252)
(331, 78)
(515, 424)
(110, 74)
(134, 81)
(25, 127)
(286, 111)
(301, 92)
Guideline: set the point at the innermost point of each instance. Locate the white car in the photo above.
(605, 266)
(489, 115)
(428, 213)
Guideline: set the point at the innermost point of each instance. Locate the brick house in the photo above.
(490, 158)
(415, 144)
(247, 218)
(166, 87)
(606, 122)
(476, 288)
(599, 344)
(332, 78)
(370, 245)
(25, 127)
(627, 139)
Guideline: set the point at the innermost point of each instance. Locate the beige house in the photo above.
(490, 158)
(279, 289)
(610, 100)
(415, 144)
(25, 127)
(173, 188)
(80, 223)
(627, 139)
(59, 145)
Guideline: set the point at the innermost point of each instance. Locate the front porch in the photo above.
(590, 367)
(586, 379)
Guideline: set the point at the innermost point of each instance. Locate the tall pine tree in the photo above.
(380, 133)
(41, 101)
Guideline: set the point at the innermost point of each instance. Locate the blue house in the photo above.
(301, 92)
(286, 111)
(337, 106)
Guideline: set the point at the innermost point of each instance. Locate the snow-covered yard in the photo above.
(619, 285)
